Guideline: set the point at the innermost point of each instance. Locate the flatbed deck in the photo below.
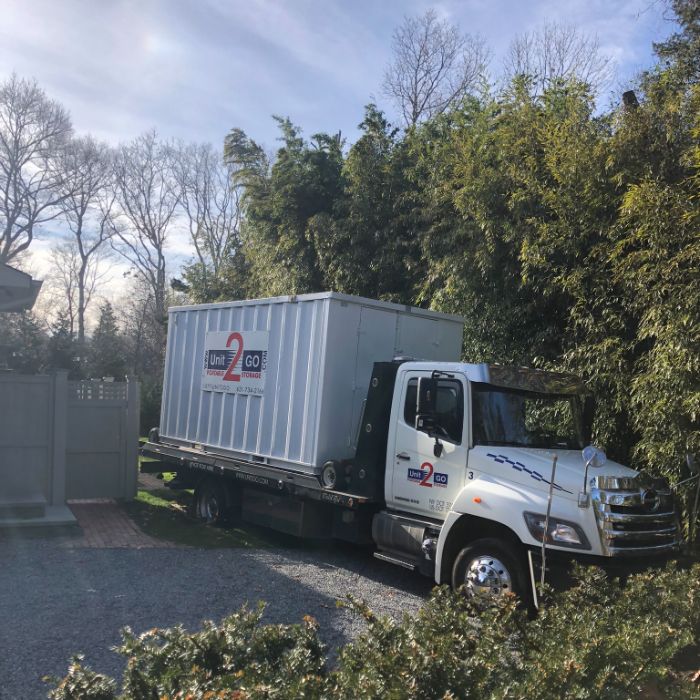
(175, 457)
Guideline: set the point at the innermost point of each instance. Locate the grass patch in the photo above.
(163, 514)
(143, 460)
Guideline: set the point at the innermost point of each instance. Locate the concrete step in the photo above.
(27, 508)
(54, 518)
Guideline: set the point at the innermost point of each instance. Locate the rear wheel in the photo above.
(488, 569)
(329, 475)
(210, 503)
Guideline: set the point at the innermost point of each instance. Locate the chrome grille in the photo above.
(636, 516)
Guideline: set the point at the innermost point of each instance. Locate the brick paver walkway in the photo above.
(105, 524)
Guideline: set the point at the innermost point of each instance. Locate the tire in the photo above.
(329, 475)
(489, 568)
(210, 502)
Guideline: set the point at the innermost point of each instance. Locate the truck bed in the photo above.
(283, 481)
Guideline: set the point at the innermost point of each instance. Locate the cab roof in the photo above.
(511, 377)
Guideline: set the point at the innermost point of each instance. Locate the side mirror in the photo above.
(425, 404)
(593, 456)
(692, 463)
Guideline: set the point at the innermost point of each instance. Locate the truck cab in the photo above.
(470, 473)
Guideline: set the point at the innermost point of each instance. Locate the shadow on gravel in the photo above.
(56, 601)
(360, 561)
(164, 514)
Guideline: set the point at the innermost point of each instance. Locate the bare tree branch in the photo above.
(33, 134)
(433, 68)
(87, 168)
(558, 52)
(211, 204)
(63, 278)
(73, 281)
(146, 201)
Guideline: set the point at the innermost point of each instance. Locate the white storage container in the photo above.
(281, 381)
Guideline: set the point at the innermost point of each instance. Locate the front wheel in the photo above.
(488, 569)
(210, 504)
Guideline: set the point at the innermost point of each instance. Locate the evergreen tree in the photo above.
(107, 356)
(369, 244)
(23, 347)
(63, 349)
(656, 258)
(282, 205)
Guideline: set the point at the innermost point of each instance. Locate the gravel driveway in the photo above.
(57, 601)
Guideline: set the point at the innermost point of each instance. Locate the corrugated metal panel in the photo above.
(320, 352)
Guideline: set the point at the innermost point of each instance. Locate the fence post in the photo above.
(59, 435)
(133, 414)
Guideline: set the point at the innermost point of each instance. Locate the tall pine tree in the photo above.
(106, 357)
(64, 349)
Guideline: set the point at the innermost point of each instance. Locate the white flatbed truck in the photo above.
(325, 415)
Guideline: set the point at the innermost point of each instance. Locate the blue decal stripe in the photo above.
(519, 466)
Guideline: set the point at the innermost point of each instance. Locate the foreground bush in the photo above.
(597, 640)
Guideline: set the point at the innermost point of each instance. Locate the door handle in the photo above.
(403, 455)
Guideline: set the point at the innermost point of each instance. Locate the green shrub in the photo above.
(597, 640)
(151, 392)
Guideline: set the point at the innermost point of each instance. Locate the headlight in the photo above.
(561, 532)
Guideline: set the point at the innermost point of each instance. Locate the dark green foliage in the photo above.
(658, 262)
(231, 282)
(64, 350)
(370, 245)
(514, 211)
(83, 684)
(248, 158)
(640, 329)
(22, 343)
(283, 204)
(597, 640)
(106, 354)
(681, 51)
(151, 392)
(240, 657)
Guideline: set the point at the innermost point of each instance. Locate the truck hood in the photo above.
(532, 467)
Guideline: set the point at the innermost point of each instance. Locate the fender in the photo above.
(494, 508)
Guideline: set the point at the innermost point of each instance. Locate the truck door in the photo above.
(422, 483)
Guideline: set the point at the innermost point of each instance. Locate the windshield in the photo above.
(525, 419)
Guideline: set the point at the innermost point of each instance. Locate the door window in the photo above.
(409, 409)
(449, 406)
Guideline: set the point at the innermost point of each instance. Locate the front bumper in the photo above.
(560, 565)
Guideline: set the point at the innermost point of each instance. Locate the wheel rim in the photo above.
(328, 477)
(209, 507)
(487, 577)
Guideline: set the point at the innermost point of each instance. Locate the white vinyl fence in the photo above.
(61, 440)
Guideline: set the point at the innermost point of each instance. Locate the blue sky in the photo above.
(194, 69)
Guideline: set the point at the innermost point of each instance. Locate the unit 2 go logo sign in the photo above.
(235, 362)
(423, 476)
